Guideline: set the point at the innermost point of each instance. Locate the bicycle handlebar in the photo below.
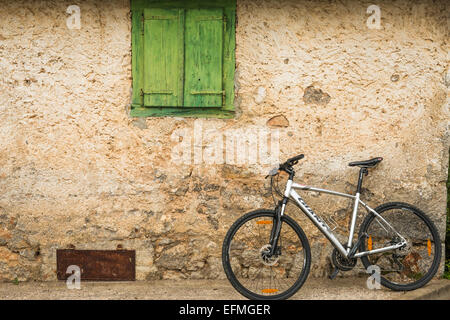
(292, 161)
(286, 166)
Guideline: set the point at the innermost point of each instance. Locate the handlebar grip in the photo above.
(291, 162)
(297, 158)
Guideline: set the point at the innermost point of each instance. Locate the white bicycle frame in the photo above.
(325, 229)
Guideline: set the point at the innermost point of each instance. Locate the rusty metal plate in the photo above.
(98, 265)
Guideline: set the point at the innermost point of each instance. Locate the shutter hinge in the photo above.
(142, 24)
(141, 93)
(225, 21)
(224, 98)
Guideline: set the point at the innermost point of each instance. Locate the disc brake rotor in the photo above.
(265, 256)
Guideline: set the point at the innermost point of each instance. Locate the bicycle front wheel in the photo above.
(411, 266)
(248, 268)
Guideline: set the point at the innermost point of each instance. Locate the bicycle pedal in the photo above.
(334, 274)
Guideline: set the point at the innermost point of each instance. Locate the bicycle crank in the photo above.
(342, 263)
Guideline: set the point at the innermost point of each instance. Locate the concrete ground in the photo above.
(313, 289)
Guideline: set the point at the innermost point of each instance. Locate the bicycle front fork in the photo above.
(276, 228)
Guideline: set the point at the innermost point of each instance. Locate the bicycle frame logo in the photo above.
(319, 220)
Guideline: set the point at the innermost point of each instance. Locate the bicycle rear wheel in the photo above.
(251, 272)
(409, 267)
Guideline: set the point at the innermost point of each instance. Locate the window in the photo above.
(183, 58)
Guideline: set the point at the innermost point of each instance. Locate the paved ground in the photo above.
(314, 289)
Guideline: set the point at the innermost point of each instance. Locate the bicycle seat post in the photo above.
(363, 171)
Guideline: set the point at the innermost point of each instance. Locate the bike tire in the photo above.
(432, 228)
(228, 268)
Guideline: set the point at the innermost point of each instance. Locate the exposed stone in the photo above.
(30, 253)
(17, 242)
(206, 208)
(315, 96)
(395, 77)
(173, 259)
(211, 187)
(215, 270)
(5, 236)
(278, 122)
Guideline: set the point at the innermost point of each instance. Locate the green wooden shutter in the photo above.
(203, 86)
(163, 57)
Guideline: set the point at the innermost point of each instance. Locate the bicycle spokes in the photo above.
(258, 268)
(410, 262)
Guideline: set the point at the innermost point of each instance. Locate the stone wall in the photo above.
(75, 169)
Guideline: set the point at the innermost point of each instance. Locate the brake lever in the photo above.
(273, 172)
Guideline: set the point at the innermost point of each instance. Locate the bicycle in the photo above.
(266, 255)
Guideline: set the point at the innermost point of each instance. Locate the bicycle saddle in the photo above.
(367, 163)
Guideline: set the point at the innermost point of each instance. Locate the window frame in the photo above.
(137, 106)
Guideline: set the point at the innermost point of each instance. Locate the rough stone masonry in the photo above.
(77, 170)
